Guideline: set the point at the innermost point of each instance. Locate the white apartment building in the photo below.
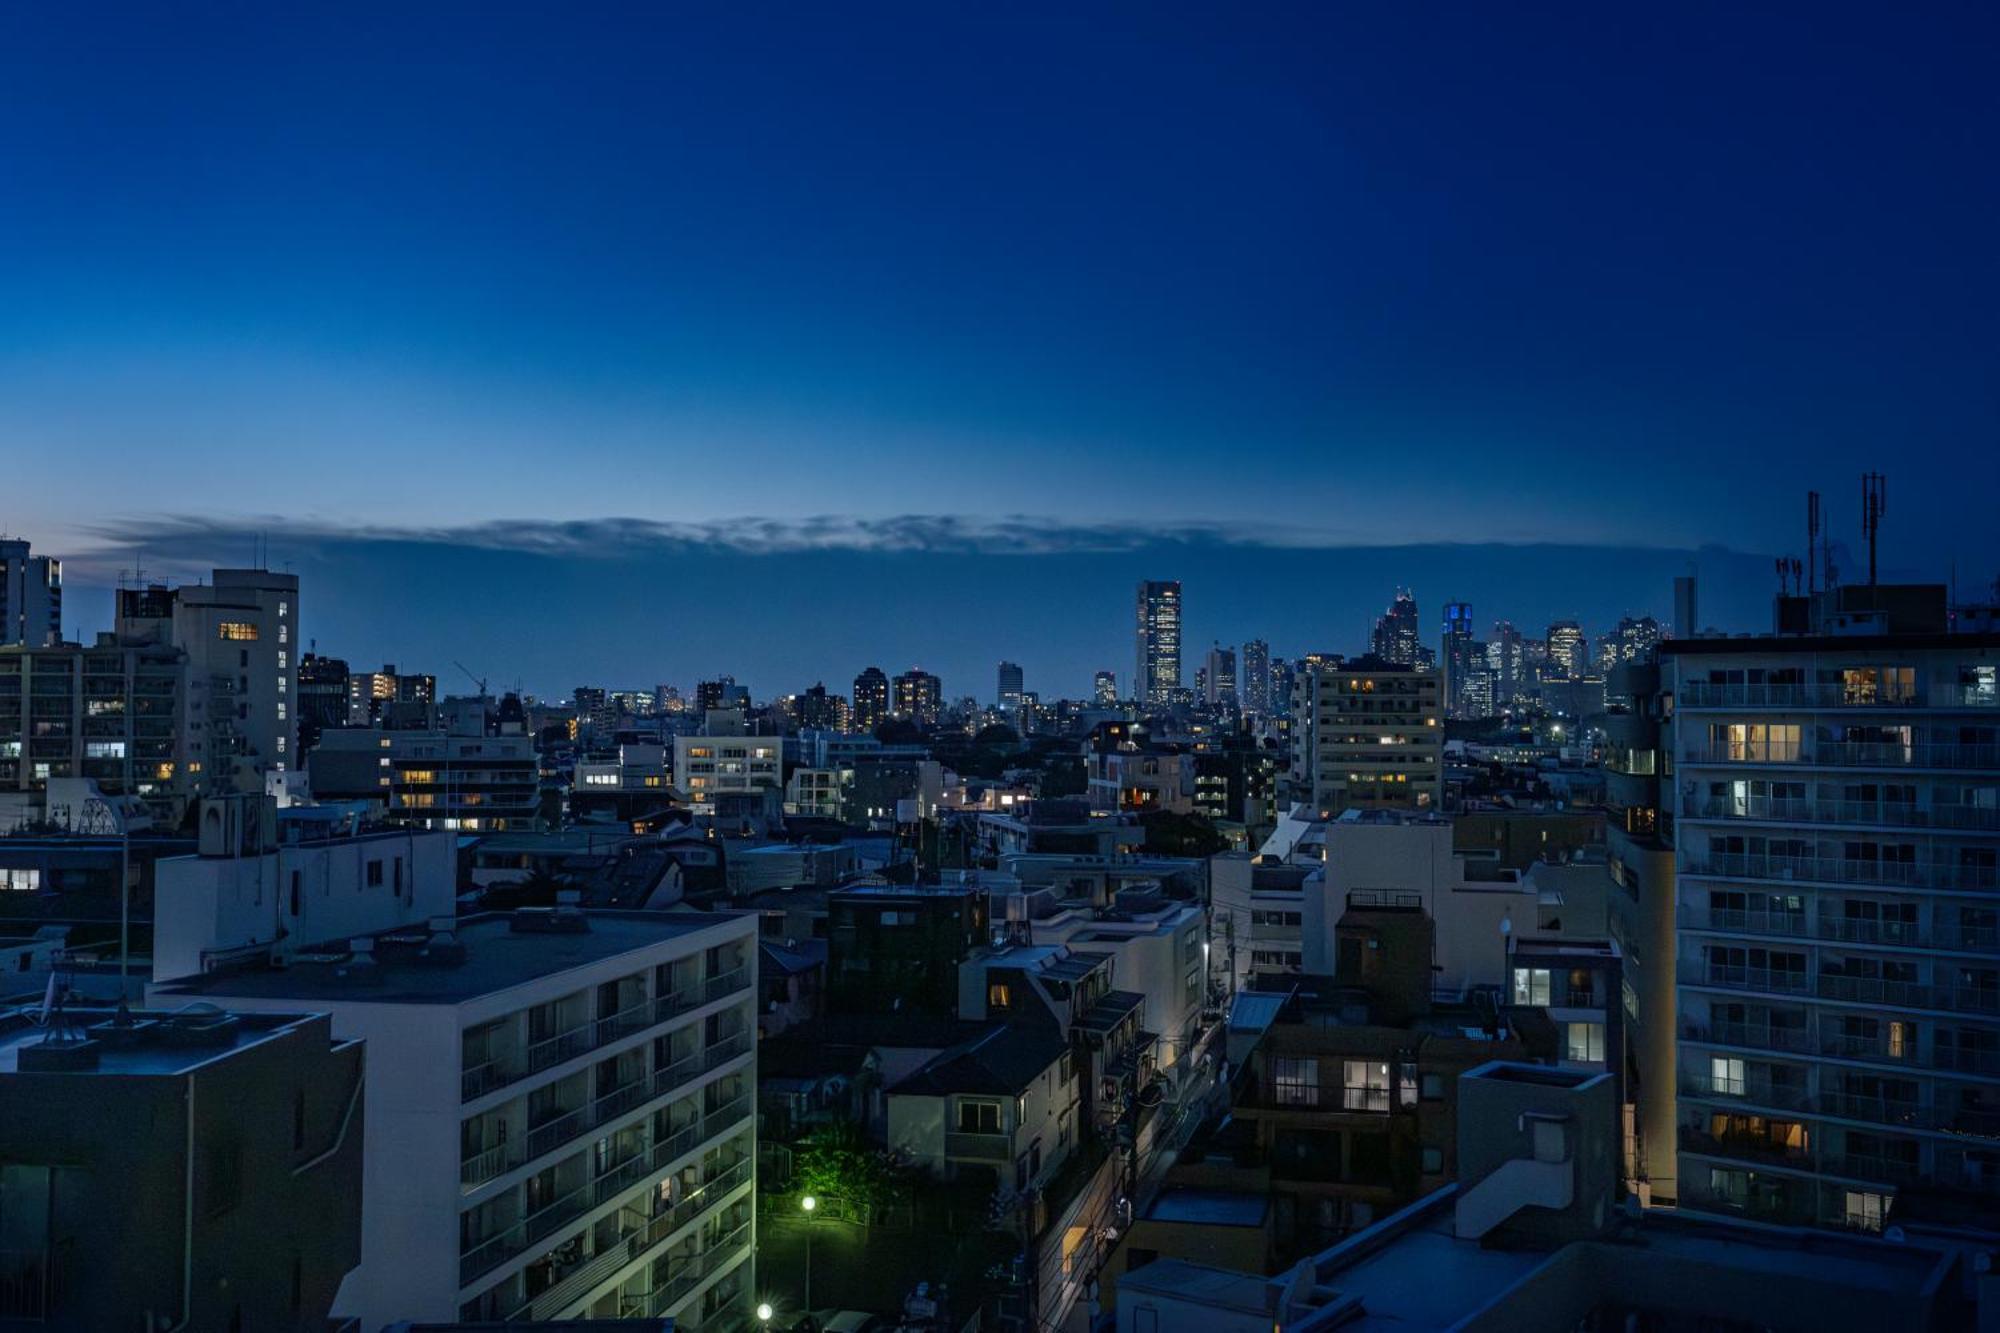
(560, 1104)
(1398, 858)
(706, 766)
(1836, 816)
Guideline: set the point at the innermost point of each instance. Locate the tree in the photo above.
(899, 731)
(1169, 834)
(1064, 777)
(836, 1161)
(997, 735)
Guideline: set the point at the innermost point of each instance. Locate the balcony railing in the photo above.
(1790, 924)
(33, 1282)
(722, 1117)
(1745, 1149)
(691, 1273)
(1873, 1168)
(1760, 980)
(979, 1147)
(1805, 810)
(1840, 870)
(595, 1033)
(1825, 694)
(1694, 1083)
(1756, 1036)
(1847, 754)
(484, 1166)
(632, 1248)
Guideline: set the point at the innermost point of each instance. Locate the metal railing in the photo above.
(1761, 980)
(33, 1282)
(550, 1302)
(1745, 1149)
(592, 1034)
(1815, 695)
(1756, 1036)
(1694, 1083)
(1840, 870)
(979, 1147)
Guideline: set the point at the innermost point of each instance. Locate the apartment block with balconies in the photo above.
(1836, 803)
(562, 1112)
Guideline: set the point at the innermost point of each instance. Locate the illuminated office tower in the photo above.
(1159, 643)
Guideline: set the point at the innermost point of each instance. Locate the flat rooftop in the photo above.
(1228, 1208)
(159, 1042)
(497, 958)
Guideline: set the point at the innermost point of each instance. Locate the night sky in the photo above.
(990, 313)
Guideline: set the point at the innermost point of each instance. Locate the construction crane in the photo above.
(480, 681)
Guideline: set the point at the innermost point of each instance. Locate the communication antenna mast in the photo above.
(1812, 542)
(1874, 499)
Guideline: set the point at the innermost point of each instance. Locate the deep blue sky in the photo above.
(1334, 274)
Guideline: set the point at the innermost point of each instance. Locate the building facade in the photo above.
(1368, 734)
(1157, 671)
(1836, 820)
(30, 596)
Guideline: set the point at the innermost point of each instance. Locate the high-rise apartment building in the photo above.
(919, 696)
(1569, 651)
(871, 699)
(1009, 687)
(1256, 682)
(1368, 734)
(30, 596)
(1836, 821)
(114, 713)
(1105, 689)
(240, 634)
(1220, 684)
(1158, 638)
(1396, 639)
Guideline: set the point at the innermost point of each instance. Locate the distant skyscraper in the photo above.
(1569, 651)
(1106, 688)
(1637, 640)
(1221, 685)
(919, 696)
(871, 699)
(1159, 643)
(1256, 682)
(1687, 613)
(1506, 655)
(1010, 687)
(30, 596)
(1461, 654)
(1396, 638)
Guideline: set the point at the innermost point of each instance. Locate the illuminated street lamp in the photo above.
(809, 1203)
(764, 1313)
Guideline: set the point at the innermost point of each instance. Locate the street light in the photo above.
(809, 1203)
(764, 1313)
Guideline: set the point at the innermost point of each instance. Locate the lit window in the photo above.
(1364, 1085)
(1586, 1043)
(1531, 986)
(237, 631)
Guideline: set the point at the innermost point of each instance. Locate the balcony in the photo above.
(1745, 1149)
(632, 1248)
(1789, 924)
(547, 1137)
(1839, 870)
(1756, 980)
(1848, 754)
(593, 1034)
(1872, 814)
(1884, 1170)
(1819, 695)
(979, 1147)
(1751, 1092)
(720, 1253)
(1755, 1036)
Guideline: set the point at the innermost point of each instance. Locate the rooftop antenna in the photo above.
(1812, 542)
(1874, 499)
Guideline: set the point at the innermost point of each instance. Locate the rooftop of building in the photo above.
(154, 1042)
(1002, 1060)
(495, 953)
(1410, 1271)
(1227, 1208)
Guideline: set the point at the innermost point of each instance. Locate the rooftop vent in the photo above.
(548, 921)
(444, 948)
